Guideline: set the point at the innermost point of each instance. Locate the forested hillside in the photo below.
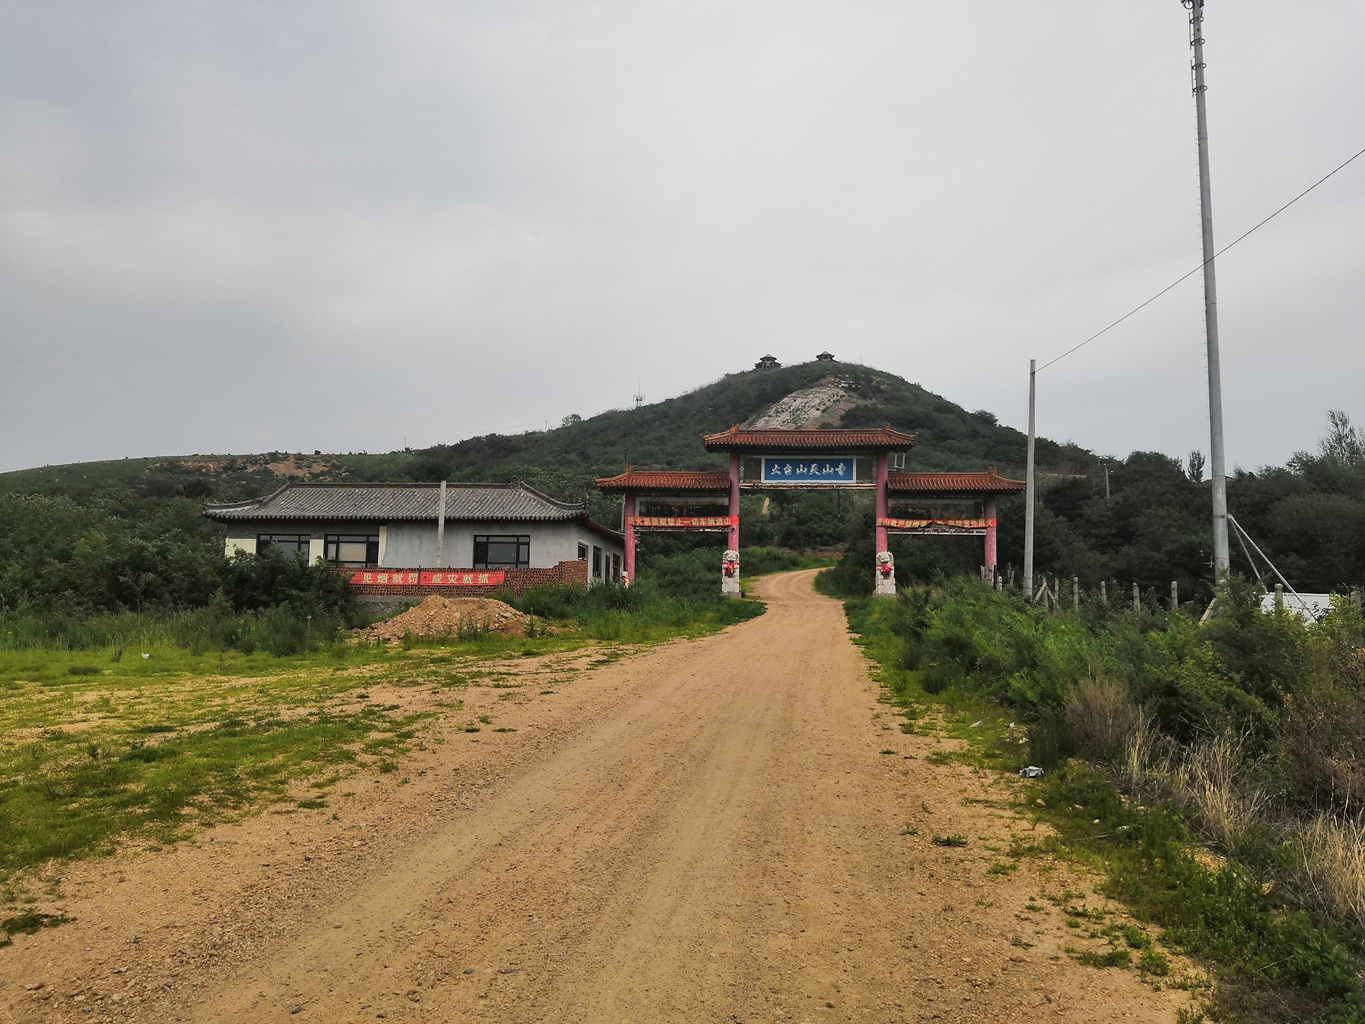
(1309, 516)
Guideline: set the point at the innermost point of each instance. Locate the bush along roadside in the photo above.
(1186, 732)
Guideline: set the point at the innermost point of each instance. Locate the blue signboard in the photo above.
(823, 472)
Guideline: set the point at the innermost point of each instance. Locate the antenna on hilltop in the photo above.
(639, 398)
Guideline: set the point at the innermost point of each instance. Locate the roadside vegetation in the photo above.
(1213, 772)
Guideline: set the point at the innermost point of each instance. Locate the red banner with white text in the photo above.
(681, 522)
(464, 578)
(434, 578)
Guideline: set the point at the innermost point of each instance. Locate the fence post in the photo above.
(1279, 596)
(1137, 598)
(1104, 596)
(1075, 593)
(1175, 595)
(1355, 599)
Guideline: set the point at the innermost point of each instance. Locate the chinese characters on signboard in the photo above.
(825, 472)
(385, 578)
(942, 526)
(681, 522)
(462, 579)
(380, 578)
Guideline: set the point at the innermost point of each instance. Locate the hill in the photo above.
(563, 461)
(667, 434)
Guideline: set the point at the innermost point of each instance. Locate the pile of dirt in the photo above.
(453, 616)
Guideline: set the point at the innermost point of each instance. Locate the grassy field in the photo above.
(103, 746)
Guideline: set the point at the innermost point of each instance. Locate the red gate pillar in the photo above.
(884, 571)
(990, 534)
(630, 538)
(729, 571)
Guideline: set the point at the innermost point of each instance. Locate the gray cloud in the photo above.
(263, 226)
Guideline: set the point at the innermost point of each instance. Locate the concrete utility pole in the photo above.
(1028, 495)
(1220, 481)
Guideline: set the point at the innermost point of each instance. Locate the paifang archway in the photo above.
(954, 504)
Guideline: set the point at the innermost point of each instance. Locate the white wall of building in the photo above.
(413, 545)
(234, 544)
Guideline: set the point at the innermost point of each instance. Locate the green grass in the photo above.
(27, 923)
(644, 613)
(149, 748)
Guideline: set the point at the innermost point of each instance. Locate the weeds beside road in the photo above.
(1202, 729)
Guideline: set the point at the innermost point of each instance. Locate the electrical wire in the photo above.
(1201, 266)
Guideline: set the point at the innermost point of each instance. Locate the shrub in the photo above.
(1323, 740)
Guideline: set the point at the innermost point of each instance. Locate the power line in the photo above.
(1197, 269)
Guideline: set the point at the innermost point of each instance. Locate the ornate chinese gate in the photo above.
(922, 503)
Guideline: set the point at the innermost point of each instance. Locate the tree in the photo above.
(1196, 466)
(1343, 442)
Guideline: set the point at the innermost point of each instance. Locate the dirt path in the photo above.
(704, 832)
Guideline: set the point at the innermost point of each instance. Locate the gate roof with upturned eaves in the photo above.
(664, 481)
(952, 484)
(830, 440)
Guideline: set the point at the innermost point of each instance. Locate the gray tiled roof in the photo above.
(398, 502)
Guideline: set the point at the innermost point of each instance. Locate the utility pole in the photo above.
(1220, 481)
(1028, 493)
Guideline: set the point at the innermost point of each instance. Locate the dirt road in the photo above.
(709, 831)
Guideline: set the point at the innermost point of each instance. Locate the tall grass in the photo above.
(280, 630)
(1331, 866)
(639, 613)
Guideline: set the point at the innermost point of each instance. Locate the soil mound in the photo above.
(451, 616)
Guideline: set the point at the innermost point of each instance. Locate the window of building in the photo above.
(352, 549)
(505, 552)
(285, 543)
(582, 552)
(616, 568)
(596, 562)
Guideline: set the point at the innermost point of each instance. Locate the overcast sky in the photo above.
(243, 226)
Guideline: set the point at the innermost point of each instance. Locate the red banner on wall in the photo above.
(681, 522)
(463, 579)
(414, 578)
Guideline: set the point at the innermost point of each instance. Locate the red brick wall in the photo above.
(518, 581)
